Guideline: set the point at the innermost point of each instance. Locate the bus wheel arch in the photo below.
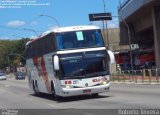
(35, 88)
(95, 94)
(53, 92)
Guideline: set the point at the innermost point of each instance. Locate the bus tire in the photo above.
(95, 95)
(35, 88)
(54, 95)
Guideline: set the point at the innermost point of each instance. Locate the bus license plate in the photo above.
(87, 91)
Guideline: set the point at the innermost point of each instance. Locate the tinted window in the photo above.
(2, 74)
(41, 46)
(79, 39)
(86, 64)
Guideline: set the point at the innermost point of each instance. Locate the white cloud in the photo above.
(4, 38)
(16, 23)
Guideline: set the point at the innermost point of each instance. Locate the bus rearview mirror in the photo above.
(111, 57)
(56, 63)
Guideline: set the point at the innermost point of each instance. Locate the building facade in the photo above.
(143, 20)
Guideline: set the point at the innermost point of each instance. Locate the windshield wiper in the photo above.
(73, 77)
(80, 77)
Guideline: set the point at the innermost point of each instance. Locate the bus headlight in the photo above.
(67, 86)
(104, 83)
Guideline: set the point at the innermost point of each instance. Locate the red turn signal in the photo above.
(68, 82)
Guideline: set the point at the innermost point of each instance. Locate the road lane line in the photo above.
(51, 105)
(7, 85)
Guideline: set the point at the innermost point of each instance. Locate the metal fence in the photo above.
(137, 76)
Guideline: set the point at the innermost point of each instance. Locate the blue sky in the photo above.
(67, 12)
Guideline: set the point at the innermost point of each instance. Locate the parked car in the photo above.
(3, 76)
(19, 75)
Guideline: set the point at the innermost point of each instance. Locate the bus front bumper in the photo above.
(66, 92)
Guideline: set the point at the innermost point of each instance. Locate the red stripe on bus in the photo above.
(42, 71)
(45, 76)
(35, 60)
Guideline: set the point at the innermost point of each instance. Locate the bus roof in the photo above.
(70, 28)
(66, 29)
(74, 28)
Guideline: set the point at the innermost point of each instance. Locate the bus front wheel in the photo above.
(35, 88)
(55, 96)
(95, 95)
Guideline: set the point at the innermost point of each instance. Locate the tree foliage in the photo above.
(11, 52)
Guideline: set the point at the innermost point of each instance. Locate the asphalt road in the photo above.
(15, 94)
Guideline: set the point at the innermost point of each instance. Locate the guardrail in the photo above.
(137, 76)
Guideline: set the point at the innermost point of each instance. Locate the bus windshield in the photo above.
(83, 65)
(79, 39)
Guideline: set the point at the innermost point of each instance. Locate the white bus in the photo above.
(69, 61)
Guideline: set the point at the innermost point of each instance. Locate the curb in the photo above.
(133, 83)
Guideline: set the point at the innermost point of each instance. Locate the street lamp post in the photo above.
(129, 40)
(107, 36)
(53, 18)
(32, 30)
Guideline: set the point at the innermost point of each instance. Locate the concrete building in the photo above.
(114, 40)
(143, 18)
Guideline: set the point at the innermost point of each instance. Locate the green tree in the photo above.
(11, 52)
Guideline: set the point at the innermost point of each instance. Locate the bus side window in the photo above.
(81, 43)
(68, 43)
(91, 40)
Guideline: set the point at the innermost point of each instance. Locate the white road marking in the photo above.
(7, 85)
(51, 105)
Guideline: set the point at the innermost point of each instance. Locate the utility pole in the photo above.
(101, 17)
(129, 40)
(105, 21)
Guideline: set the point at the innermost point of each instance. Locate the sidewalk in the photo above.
(140, 83)
(136, 79)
